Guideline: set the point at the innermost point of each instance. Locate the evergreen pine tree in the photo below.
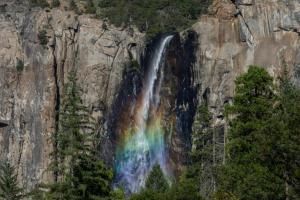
(284, 151)
(246, 174)
(187, 188)
(117, 194)
(203, 154)
(9, 189)
(156, 186)
(76, 130)
(81, 174)
(156, 180)
(91, 179)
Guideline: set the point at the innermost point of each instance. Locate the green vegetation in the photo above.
(74, 6)
(151, 16)
(9, 189)
(40, 3)
(263, 143)
(20, 65)
(91, 6)
(42, 36)
(82, 175)
(204, 155)
(156, 180)
(132, 66)
(55, 3)
(187, 188)
(156, 186)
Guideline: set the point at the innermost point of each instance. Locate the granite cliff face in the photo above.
(31, 96)
(234, 35)
(241, 33)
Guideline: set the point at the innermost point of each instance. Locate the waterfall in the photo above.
(142, 143)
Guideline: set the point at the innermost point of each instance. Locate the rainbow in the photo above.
(141, 141)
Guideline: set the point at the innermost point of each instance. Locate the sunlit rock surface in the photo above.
(29, 97)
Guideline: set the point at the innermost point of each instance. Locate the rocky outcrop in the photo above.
(37, 49)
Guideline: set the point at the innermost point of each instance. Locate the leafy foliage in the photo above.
(9, 189)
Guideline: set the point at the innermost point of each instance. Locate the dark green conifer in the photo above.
(81, 175)
(246, 174)
(156, 186)
(156, 180)
(9, 189)
(284, 146)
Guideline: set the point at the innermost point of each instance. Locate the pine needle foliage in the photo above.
(285, 140)
(156, 180)
(156, 186)
(9, 189)
(263, 140)
(204, 154)
(81, 174)
(75, 127)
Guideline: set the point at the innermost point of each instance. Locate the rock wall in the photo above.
(240, 33)
(30, 97)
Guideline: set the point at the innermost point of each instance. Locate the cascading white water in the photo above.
(142, 144)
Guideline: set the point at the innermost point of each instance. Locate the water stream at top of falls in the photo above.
(142, 141)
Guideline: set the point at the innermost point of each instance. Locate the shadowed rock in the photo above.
(3, 123)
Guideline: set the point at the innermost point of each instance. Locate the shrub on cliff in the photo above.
(40, 3)
(42, 36)
(55, 3)
(20, 65)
